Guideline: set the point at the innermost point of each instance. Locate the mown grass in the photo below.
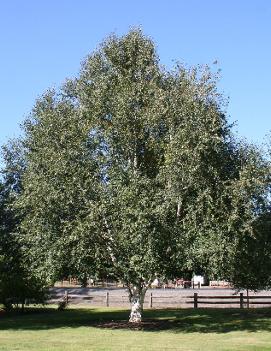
(83, 329)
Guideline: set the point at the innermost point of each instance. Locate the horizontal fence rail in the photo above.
(240, 300)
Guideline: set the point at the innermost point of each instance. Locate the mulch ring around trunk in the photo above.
(144, 325)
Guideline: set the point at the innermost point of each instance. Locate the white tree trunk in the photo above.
(137, 296)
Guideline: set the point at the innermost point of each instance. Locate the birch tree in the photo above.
(131, 171)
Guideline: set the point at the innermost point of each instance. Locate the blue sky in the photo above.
(43, 42)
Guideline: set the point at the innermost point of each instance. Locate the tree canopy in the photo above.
(132, 172)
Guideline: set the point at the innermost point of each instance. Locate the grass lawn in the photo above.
(83, 329)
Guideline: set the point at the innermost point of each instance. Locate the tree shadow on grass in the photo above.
(173, 320)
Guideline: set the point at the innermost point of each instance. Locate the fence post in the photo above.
(241, 300)
(107, 299)
(150, 304)
(66, 296)
(195, 300)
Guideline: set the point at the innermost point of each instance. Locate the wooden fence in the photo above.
(196, 300)
(240, 300)
(96, 299)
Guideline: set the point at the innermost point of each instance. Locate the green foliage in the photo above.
(132, 172)
(17, 284)
(250, 262)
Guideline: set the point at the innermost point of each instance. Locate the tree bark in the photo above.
(137, 296)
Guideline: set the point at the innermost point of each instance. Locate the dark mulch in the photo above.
(144, 325)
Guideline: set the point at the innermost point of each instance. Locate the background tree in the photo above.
(132, 172)
(250, 264)
(16, 282)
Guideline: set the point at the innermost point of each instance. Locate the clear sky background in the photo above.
(42, 42)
